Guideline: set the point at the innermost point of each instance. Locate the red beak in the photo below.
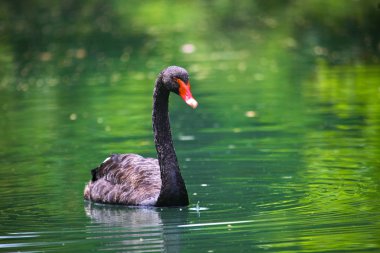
(185, 93)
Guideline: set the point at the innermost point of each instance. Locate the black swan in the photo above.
(130, 179)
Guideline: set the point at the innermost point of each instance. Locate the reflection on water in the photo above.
(134, 229)
(133, 218)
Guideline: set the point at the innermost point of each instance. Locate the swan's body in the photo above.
(126, 179)
(131, 179)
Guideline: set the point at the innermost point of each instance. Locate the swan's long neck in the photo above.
(173, 189)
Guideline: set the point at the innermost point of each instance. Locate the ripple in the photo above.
(214, 224)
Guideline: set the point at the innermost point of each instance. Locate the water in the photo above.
(282, 154)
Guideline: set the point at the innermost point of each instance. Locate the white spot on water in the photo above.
(188, 48)
(73, 116)
(215, 223)
(198, 208)
(186, 137)
(99, 120)
(250, 114)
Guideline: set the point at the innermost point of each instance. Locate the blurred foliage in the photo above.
(44, 30)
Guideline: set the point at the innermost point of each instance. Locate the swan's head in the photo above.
(176, 79)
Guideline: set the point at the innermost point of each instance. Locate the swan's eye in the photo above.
(178, 81)
(181, 82)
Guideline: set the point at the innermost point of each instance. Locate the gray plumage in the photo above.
(127, 179)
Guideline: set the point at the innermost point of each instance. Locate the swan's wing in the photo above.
(125, 179)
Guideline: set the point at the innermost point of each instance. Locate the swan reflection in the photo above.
(120, 228)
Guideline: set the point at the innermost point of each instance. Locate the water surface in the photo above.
(282, 154)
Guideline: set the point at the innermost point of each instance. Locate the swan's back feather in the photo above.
(127, 179)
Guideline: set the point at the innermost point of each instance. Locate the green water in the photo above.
(282, 154)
